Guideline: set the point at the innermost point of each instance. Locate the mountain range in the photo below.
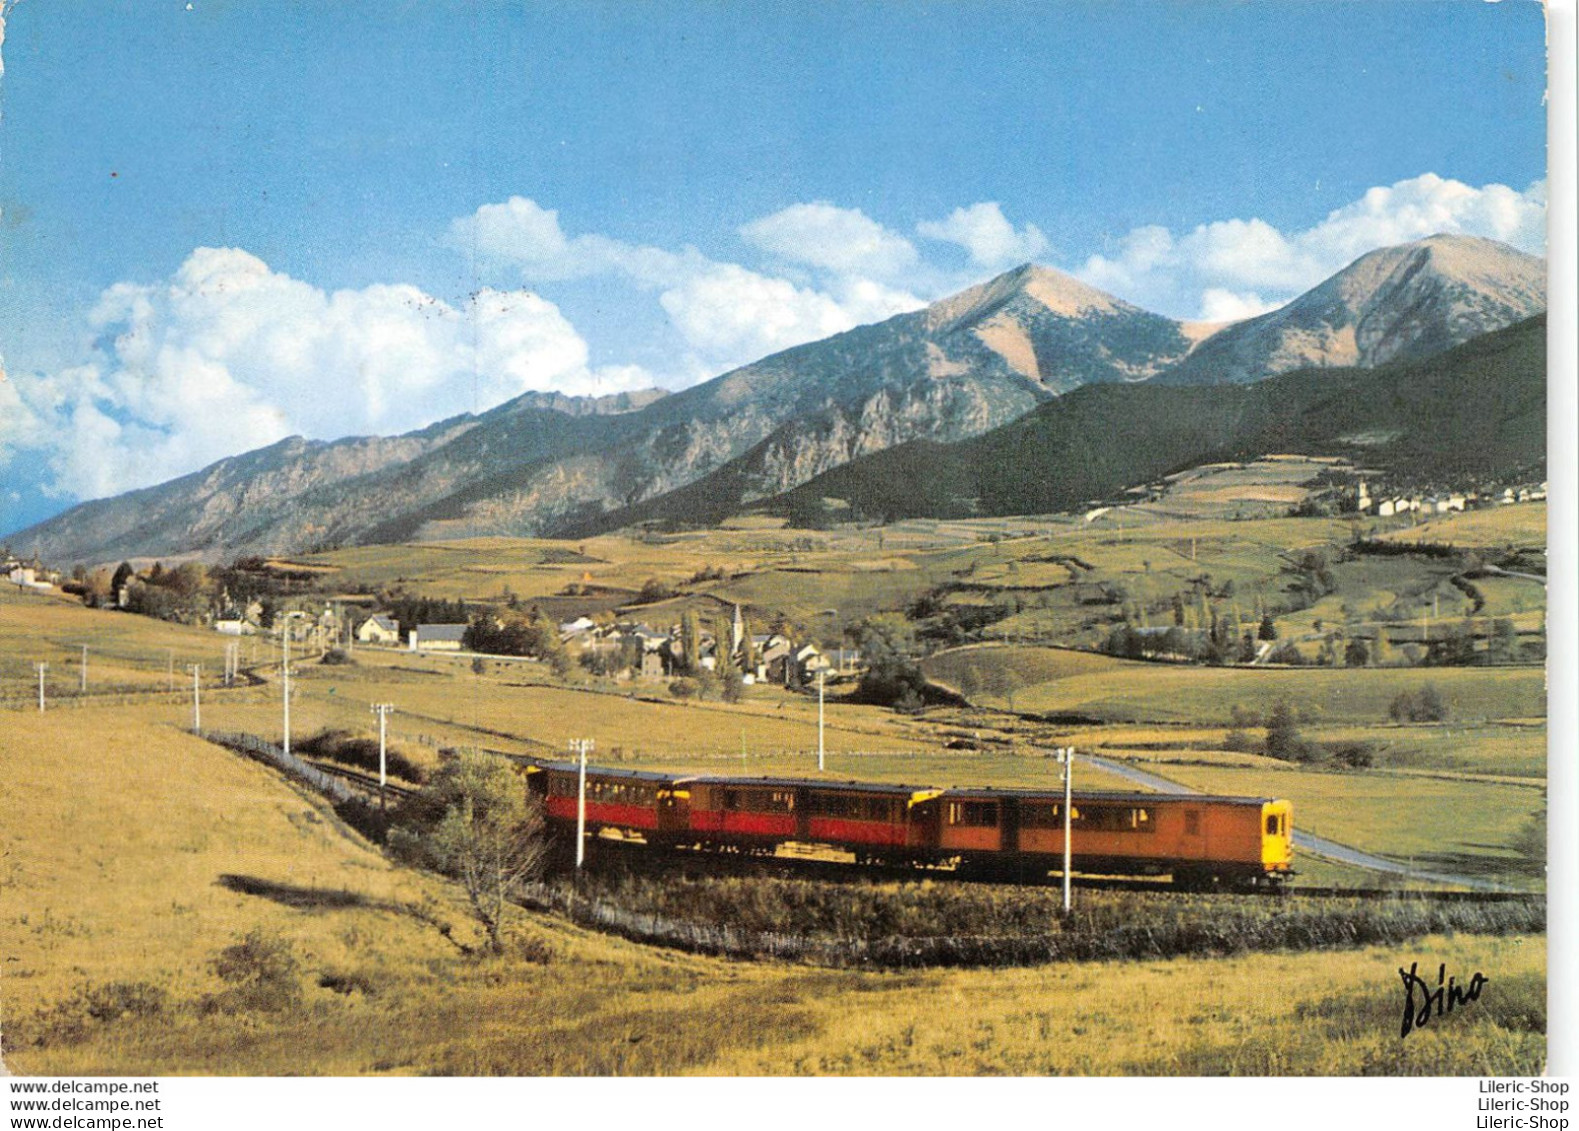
(964, 367)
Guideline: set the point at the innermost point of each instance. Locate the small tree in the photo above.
(691, 641)
(1283, 739)
(1268, 630)
(475, 821)
(1504, 642)
(123, 574)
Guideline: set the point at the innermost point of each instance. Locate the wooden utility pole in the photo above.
(285, 672)
(1067, 757)
(581, 746)
(820, 673)
(382, 711)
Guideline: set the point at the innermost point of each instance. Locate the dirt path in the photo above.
(1317, 845)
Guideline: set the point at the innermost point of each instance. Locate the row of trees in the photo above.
(518, 634)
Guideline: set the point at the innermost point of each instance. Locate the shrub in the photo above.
(1283, 739)
(337, 656)
(529, 948)
(1354, 755)
(71, 1021)
(349, 750)
(262, 973)
(1287, 654)
(683, 688)
(1423, 706)
(1239, 742)
(349, 982)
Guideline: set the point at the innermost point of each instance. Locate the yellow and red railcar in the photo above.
(637, 801)
(873, 820)
(1198, 839)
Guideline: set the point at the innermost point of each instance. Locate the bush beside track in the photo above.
(926, 924)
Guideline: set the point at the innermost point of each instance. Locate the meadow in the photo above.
(1127, 691)
(121, 905)
(135, 854)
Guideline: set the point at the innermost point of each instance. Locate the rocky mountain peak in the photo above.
(1394, 303)
(1053, 291)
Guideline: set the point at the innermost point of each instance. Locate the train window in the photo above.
(1116, 819)
(834, 805)
(1041, 817)
(1272, 825)
(975, 814)
(1192, 822)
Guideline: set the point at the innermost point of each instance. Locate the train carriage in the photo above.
(872, 820)
(636, 801)
(877, 822)
(1197, 839)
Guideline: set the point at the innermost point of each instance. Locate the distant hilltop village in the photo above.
(1442, 502)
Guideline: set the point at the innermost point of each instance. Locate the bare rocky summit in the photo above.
(1393, 304)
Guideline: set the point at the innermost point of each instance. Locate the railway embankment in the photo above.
(913, 925)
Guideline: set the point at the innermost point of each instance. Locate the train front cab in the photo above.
(1277, 842)
(1230, 841)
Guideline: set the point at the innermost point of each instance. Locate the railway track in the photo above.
(816, 864)
(636, 856)
(360, 779)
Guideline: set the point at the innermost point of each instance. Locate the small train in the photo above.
(1199, 841)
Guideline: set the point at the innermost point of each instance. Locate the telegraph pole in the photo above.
(581, 746)
(169, 667)
(84, 686)
(285, 671)
(820, 673)
(197, 699)
(382, 711)
(1066, 756)
(42, 668)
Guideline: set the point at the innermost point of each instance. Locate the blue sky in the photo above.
(226, 222)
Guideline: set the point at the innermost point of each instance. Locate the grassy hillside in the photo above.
(119, 901)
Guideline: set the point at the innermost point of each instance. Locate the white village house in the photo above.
(437, 637)
(378, 629)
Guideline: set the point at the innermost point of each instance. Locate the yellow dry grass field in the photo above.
(1518, 525)
(134, 853)
(107, 884)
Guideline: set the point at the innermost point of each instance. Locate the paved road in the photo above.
(1500, 572)
(1317, 845)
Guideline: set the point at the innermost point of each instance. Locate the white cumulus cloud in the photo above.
(987, 236)
(841, 240)
(724, 314)
(228, 355)
(1196, 274)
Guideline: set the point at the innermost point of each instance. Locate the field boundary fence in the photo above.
(72, 700)
(256, 748)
